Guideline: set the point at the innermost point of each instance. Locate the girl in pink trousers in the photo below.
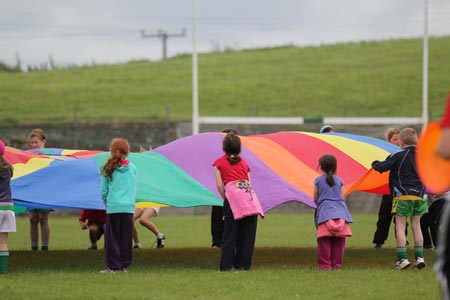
(332, 217)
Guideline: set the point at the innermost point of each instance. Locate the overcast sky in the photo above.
(109, 31)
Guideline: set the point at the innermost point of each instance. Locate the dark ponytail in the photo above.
(232, 147)
(328, 164)
(330, 179)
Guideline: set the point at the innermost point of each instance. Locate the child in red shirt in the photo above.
(95, 221)
(238, 240)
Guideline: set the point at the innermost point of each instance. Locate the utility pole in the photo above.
(163, 35)
(195, 113)
(425, 67)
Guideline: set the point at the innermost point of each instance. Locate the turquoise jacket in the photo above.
(119, 194)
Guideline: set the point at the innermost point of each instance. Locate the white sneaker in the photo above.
(419, 263)
(107, 271)
(402, 264)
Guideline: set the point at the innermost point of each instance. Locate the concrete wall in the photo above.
(91, 136)
(97, 136)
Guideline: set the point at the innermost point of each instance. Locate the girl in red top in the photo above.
(238, 240)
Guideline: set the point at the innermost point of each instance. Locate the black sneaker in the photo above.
(160, 242)
(92, 248)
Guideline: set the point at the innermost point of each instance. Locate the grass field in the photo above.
(381, 78)
(284, 265)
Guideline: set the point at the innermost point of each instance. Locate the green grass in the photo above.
(357, 79)
(284, 265)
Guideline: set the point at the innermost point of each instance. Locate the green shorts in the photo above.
(409, 208)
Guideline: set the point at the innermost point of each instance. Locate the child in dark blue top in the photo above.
(407, 191)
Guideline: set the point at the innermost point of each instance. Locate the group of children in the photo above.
(232, 174)
(408, 196)
(332, 215)
(118, 177)
(405, 201)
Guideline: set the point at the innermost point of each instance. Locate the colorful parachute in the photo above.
(283, 168)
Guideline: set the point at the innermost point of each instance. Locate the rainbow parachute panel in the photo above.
(180, 174)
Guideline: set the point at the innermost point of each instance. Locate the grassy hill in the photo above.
(357, 79)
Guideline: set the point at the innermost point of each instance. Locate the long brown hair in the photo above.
(119, 151)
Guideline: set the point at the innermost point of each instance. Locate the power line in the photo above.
(163, 35)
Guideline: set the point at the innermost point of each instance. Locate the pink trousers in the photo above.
(330, 252)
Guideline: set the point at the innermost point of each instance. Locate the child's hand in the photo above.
(83, 225)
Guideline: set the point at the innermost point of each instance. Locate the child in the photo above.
(144, 214)
(407, 191)
(118, 177)
(95, 221)
(7, 217)
(430, 221)
(332, 216)
(238, 240)
(385, 211)
(326, 129)
(217, 214)
(39, 217)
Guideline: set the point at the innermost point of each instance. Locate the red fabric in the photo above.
(93, 216)
(229, 172)
(445, 123)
